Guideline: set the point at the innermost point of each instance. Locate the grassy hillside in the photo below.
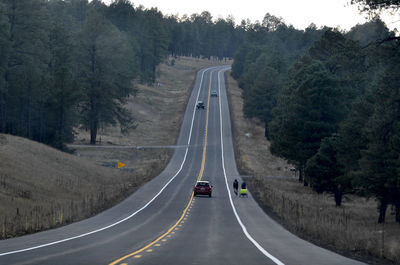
(41, 187)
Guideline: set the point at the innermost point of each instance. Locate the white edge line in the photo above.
(133, 214)
(252, 240)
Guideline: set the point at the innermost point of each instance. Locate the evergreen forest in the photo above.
(329, 99)
(330, 103)
(71, 63)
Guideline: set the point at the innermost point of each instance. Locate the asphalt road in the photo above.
(162, 223)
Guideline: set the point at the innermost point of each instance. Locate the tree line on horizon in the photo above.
(330, 104)
(73, 63)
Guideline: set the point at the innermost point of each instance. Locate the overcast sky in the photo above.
(299, 13)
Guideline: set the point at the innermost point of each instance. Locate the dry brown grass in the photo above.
(252, 148)
(158, 111)
(41, 187)
(351, 230)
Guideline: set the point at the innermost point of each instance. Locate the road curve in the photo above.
(162, 223)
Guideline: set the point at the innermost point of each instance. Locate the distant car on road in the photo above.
(202, 188)
(214, 93)
(200, 105)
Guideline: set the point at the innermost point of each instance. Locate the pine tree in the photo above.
(262, 82)
(379, 174)
(325, 171)
(26, 70)
(64, 94)
(308, 111)
(4, 56)
(106, 63)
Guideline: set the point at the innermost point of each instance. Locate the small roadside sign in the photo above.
(120, 165)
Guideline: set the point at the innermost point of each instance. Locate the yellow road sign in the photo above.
(121, 164)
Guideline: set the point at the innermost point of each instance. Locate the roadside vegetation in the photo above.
(321, 104)
(351, 230)
(329, 107)
(43, 188)
(329, 103)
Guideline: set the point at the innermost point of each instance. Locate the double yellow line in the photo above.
(203, 162)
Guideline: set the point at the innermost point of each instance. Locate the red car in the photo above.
(202, 188)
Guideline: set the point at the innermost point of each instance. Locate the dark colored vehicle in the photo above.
(214, 93)
(200, 105)
(202, 188)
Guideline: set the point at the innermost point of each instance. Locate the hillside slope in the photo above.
(41, 187)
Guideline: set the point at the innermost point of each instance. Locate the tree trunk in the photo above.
(93, 132)
(3, 102)
(305, 180)
(338, 196)
(382, 210)
(266, 132)
(2, 113)
(94, 122)
(300, 175)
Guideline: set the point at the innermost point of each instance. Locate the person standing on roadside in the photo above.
(235, 186)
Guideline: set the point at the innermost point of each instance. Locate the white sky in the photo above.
(299, 13)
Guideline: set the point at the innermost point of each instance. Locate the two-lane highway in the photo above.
(162, 223)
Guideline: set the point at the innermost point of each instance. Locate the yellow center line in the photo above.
(203, 161)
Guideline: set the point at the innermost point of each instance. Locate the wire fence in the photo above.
(343, 228)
